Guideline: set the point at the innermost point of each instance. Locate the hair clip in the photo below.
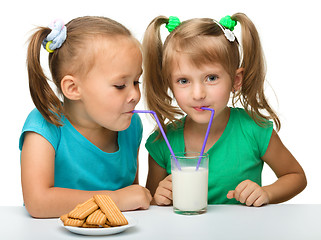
(227, 25)
(228, 22)
(173, 22)
(56, 37)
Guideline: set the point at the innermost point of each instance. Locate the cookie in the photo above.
(74, 222)
(81, 204)
(97, 218)
(87, 225)
(112, 212)
(64, 217)
(82, 211)
(106, 226)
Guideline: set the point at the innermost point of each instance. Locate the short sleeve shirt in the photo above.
(235, 157)
(79, 164)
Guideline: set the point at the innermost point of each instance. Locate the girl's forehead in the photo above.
(111, 46)
(200, 51)
(114, 41)
(193, 60)
(100, 50)
(183, 61)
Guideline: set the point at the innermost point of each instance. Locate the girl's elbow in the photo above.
(36, 208)
(35, 213)
(301, 182)
(304, 182)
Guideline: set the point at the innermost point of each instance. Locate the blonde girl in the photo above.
(87, 141)
(202, 64)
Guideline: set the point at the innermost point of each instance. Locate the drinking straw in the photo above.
(206, 135)
(163, 133)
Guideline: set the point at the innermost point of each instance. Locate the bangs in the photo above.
(202, 50)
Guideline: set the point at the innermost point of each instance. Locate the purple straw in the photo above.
(163, 133)
(206, 135)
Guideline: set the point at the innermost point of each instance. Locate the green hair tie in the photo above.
(227, 22)
(173, 22)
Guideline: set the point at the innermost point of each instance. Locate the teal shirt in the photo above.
(79, 164)
(235, 157)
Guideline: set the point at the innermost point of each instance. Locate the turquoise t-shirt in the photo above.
(79, 164)
(235, 157)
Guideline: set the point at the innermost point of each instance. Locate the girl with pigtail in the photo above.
(88, 143)
(202, 64)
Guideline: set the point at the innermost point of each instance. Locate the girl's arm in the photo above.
(43, 200)
(291, 178)
(136, 180)
(159, 183)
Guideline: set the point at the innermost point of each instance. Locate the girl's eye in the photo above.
(120, 86)
(211, 78)
(124, 85)
(182, 81)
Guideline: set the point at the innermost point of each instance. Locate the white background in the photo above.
(290, 34)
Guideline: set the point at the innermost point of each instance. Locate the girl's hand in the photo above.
(163, 194)
(133, 197)
(250, 193)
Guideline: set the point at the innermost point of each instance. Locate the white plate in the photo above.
(101, 231)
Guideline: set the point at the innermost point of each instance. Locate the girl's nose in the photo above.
(134, 94)
(199, 92)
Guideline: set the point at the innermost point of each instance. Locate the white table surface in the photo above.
(282, 221)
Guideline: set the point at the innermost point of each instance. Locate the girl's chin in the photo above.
(121, 125)
(124, 127)
(199, 119)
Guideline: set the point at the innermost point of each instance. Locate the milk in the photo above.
(190, 188)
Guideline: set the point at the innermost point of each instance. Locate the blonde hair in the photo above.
(68, 59)
(204, 42)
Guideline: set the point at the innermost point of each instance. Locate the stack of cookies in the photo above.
(99, 211)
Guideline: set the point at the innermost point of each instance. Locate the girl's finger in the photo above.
(230, 194)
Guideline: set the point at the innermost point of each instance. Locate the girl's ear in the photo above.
(238, 79)
(70, 88)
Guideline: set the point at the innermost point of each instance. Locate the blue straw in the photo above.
(206, 135)
(162, 131)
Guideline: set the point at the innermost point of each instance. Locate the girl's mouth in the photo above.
(198, 108)
(129, 112)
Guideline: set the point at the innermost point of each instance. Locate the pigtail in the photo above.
(42, 95)
(252, 93)
(155, 87)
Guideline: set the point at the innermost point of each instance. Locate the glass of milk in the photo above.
(190, 185)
